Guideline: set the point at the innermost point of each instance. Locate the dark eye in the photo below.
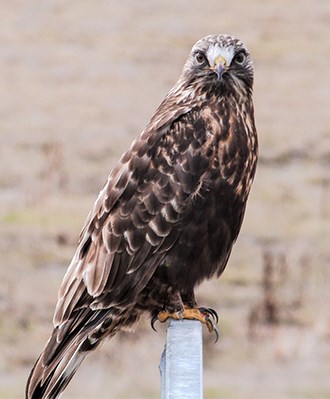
(200, 57)
(240, 58)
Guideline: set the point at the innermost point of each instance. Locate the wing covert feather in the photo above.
(135, 220)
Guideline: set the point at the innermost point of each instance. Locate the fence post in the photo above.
(181, 365)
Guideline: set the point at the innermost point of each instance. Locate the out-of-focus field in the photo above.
(78, 82)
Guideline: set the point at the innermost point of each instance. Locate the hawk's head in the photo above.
(220, 61)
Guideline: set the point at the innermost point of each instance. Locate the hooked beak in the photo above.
(220, 66)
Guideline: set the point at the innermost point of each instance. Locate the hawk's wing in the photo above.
(134, 221)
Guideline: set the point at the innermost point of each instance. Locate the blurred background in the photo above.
(79, 81)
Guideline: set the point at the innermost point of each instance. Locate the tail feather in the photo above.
(54, 380)
(61, 358)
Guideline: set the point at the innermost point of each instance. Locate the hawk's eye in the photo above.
(240, 58)
(200, 57)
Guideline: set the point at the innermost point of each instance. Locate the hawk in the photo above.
(167, 216)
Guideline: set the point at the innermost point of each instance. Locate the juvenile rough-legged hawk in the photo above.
(167, 217)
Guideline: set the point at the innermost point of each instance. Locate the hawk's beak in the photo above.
(220, 66)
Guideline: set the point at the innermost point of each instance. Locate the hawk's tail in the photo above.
(66, 349)
(49, 380)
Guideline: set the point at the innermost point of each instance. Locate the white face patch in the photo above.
(215, 51)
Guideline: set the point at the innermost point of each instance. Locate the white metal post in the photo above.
(181, 364)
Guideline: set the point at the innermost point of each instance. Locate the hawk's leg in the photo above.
(188, 298)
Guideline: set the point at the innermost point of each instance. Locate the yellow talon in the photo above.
(204, 315)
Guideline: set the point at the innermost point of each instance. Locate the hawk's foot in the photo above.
(207, 316)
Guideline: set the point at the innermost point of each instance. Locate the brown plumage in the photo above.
(168, 215)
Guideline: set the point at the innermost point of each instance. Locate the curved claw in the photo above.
(211, 319)
(211, 326)
(210, 312)
(153, 321)
(217, 334)
(214, 314)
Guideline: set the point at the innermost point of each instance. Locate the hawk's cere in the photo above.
(167, 217)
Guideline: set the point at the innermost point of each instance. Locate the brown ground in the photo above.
(79, 80)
